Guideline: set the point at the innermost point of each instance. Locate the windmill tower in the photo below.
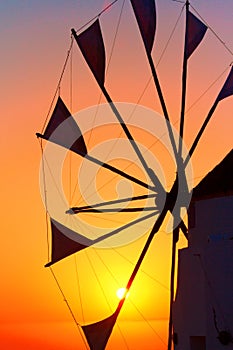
(203, 308)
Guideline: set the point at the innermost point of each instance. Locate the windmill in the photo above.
(65, 241)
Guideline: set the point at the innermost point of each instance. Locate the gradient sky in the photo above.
(34, 39)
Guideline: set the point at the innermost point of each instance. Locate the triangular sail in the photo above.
(70, 135)
(91, 45)
(145, 14)
(195, 31)
(227, 89)
(97, 334)
(64, 242)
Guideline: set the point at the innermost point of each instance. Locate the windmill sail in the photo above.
(195, 31)
(227, 89)
(65, 242)
(91, 45)
(69, 134)
(145, 14)
(97, 334)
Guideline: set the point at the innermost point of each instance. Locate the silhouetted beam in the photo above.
(115, 210)
(184, 228)
(116, 201)
(111, 168)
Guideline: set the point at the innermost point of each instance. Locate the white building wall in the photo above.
(204, 299)
(189, 314)
(218, 262)
(213, 217)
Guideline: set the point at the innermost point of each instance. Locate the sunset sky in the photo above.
(34, 40)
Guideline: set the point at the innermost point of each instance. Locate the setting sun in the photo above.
(121, 293)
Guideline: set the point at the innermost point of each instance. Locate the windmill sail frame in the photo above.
(91, 44)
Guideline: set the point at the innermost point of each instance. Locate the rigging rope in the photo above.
(45, 201)
(205, 92)
(202, 95)
(79, 287)
(189, 109)
(59, 84)
(141, 270)
(170, 36)
(69, 307)
(210, 86)
(99, 283)
(140, 97)
(149, 324)
(96, 16)
(162, 54)
(71, 79)
(130, 300)
(54, 180)
(48, 248)
(67, 58)
(131, 263)
(101, 94)
(104, 294)
(71, 110)
(159, 60)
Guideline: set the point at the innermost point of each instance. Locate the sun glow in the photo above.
(122, 292)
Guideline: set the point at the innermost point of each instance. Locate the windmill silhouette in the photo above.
(91, 44)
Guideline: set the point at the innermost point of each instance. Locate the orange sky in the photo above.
(34, 39)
